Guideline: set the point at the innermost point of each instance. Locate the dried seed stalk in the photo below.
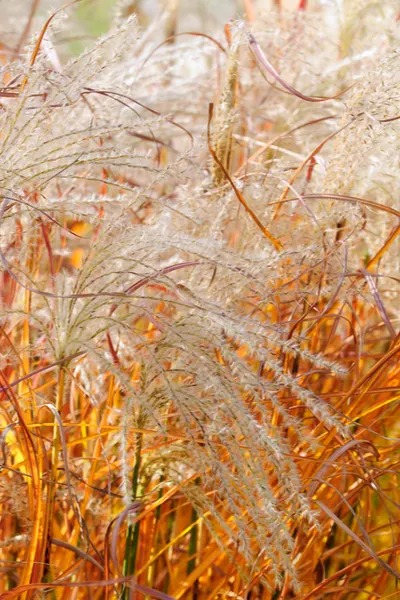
(225, 117)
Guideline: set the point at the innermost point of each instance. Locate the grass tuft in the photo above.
(199, 368)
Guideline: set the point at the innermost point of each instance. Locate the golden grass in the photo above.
(66, 529)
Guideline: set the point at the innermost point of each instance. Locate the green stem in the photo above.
(193, 547)
(192, 544)
(47, 575)
(132, 535)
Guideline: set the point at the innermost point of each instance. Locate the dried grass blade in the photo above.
(382, 310)
(78, 551)
(331, 460)
(42, 370)
(17, 591)
(344, 198)
(40, 39)
(262, 60)
(358, 540)
(385, 247)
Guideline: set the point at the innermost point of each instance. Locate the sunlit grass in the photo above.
(199, 336)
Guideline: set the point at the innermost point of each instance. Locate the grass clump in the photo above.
(199, 350)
